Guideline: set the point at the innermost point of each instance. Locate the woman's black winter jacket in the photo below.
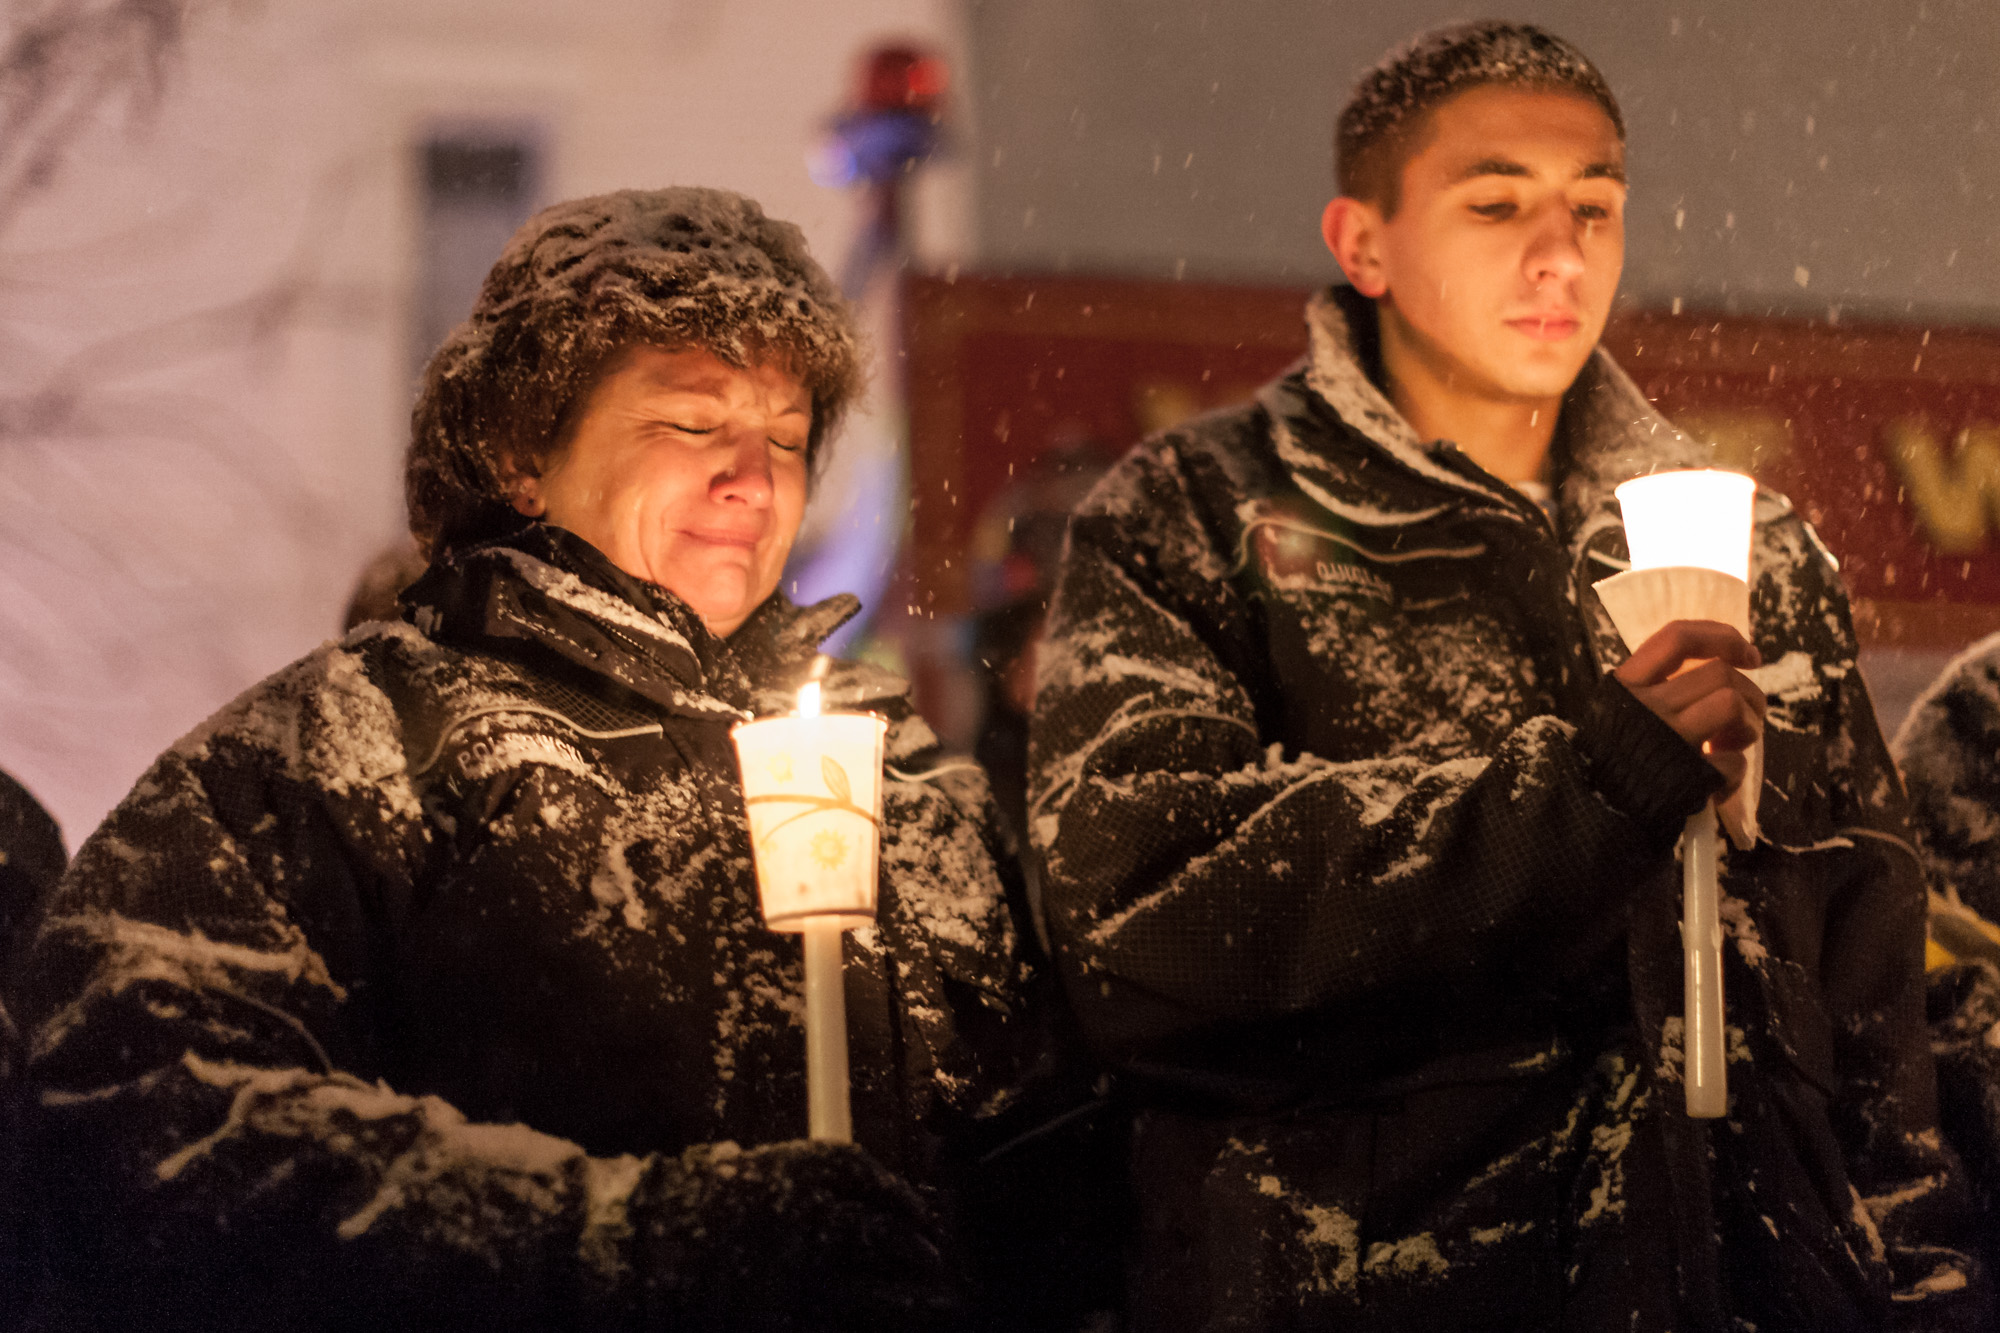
(426, 985)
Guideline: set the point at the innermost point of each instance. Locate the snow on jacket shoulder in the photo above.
(427, 981)
(1361, 865)
(1949, 749)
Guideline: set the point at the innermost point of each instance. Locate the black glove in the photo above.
(792, 1236)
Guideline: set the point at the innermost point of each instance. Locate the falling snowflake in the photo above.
(829, 849)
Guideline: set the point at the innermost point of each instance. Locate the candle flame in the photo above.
(809, 699)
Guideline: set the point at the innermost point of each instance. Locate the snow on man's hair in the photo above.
(1380, 125)
(578, 285)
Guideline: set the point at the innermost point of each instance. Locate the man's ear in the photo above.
(1353, 231)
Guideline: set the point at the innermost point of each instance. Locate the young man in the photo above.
(1359, 821)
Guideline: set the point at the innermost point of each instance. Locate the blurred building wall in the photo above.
(1787, 156)
(206, 306)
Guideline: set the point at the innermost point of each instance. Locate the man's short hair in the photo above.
(579, 287)
(1381, 125)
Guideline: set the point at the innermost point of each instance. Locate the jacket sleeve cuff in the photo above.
(1639, 764)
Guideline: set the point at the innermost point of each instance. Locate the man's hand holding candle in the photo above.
(1690, 675)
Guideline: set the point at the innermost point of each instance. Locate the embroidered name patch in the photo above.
(1352, 579)
(1303, 561)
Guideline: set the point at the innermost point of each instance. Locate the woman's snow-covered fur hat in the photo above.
(577, 285)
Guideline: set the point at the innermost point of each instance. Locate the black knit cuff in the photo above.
(1639, 764)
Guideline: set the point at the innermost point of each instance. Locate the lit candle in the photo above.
(1693, 519)
(1689, 535)
(812, 784)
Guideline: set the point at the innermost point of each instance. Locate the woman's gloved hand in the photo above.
(797, 1235)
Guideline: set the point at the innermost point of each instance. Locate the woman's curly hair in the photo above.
(580, 284)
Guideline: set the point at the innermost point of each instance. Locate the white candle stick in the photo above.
(812, 784)
(1689, 534)
(1703, 1068)
(829, 1114)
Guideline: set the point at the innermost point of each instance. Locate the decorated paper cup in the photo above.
(813, 787)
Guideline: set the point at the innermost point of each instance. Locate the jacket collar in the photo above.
(1608, 433)
(547, 588)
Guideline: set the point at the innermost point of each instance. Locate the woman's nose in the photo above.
(745, 477)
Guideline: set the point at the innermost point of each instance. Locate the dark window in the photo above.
(477, 184)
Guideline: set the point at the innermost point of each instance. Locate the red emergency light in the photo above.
(902, 78)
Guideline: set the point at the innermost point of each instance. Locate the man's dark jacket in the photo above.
(426, 985)
(1361, 866)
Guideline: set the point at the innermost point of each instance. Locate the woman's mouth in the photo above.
(722, 537)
